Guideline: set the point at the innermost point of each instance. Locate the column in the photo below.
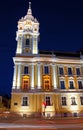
(19, 77)
(32, 76)
(19, 44)
(14, 77)
(39, 76)
(35, 45)
(54, 71)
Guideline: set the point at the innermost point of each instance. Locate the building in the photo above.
(47, 83)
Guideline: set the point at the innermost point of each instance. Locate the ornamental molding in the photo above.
(48, 59)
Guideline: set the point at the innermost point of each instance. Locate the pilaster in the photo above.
(32, 76)
(54, 71)
(34, 45)
(19, 45)
(19, 77)
(39, 76)
(15, 77)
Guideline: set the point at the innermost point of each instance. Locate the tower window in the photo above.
(61, 72)
(71, 84)
(64, 101)
(62, 84)
(73, 101)
(26, 70)
(25, 101)
(46, 70)
(27, 42)
(69, 71)
(81, 100)
(20, 28)
(77, 71)
(80, 85)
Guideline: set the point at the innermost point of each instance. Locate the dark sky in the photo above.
(61, 29)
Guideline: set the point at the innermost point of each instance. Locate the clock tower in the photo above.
(27, 34)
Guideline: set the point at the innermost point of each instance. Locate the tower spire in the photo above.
(29, 10)
(29, 5)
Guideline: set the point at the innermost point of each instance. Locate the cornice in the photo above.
(49, 59)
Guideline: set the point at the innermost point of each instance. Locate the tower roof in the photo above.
(29, 15)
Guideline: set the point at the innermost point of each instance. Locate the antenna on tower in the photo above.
(29, 10)
(29, 5)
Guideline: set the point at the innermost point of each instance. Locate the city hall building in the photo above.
(45, 83)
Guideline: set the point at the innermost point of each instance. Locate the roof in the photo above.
(62, 54)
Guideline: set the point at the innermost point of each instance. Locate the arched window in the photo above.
(27, 42)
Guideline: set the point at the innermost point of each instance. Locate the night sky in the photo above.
(61, 29)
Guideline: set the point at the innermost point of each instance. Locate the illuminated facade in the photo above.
(45, 83)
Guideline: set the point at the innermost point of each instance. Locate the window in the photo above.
(61, 72)
(26, 70)
(73, 101)
(81, 100)
(46, 70)
(25, 101)
(80, 85)
(62, 84)
(48, 103)
(69, 71)
(77, 71)
(71, 84)
(64, 101)
(27, 42)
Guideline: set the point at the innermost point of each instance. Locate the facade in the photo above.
(46, 83)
